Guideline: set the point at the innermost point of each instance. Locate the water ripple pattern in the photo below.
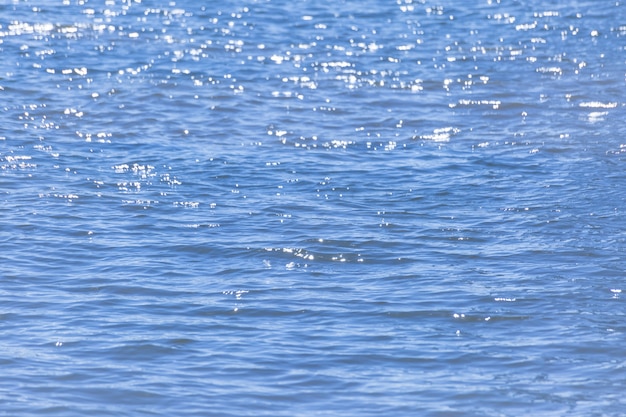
(297, 208)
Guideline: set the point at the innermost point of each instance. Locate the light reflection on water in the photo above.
(289, 208)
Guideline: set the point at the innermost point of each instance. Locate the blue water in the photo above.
(298, 208)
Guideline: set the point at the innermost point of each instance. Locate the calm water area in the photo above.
(312, 208)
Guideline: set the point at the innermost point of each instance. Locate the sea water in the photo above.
(297, 208)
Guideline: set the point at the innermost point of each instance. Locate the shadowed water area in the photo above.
(298, 208)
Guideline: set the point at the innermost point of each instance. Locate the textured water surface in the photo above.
(296, 208)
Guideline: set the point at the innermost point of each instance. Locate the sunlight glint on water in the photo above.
(297, 208)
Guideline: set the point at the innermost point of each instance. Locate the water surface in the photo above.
(295, 208)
